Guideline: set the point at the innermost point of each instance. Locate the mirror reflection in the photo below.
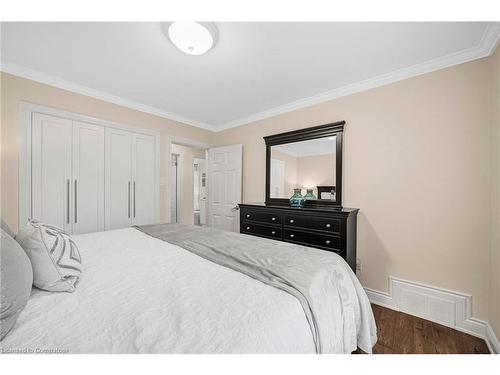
(305, 165)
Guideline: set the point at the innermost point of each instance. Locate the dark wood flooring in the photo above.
(400, 333)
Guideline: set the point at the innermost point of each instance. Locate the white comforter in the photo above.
(138, 294)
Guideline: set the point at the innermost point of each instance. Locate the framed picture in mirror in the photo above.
(326, 192)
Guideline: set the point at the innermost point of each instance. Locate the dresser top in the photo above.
(345, 210)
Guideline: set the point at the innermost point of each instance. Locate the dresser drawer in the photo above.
(261, 217)
(261, 230)
(317, 227)
(310, 222)
(312, 239)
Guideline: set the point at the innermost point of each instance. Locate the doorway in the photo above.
(218, 191)
(188, 184)
(199, 191)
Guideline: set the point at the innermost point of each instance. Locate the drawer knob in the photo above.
(327, 242)
(292, 235)
(291, 221)
(273, 232)
(248, 215)
(248, 228)
(328, 225)
(273, 218)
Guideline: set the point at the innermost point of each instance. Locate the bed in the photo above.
(142, 294)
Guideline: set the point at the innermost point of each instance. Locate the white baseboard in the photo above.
(492, 340)
(449, 308)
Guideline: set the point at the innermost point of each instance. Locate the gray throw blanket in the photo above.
(335, 305)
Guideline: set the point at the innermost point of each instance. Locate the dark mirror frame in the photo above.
(328, 130)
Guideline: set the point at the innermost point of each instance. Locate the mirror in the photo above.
(310, 160)
(306, 165)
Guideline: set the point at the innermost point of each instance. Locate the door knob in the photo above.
(235, 208)
(292, 235)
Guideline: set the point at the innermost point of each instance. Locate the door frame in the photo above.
(183, 142)
(24, 189)
(178, 183)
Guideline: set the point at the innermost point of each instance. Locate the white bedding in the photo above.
(138, 294)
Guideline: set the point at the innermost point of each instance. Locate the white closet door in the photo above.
(143, 180)
(118, 178)
(51, 170)
(88, 178)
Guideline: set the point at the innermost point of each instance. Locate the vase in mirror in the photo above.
(297, 199)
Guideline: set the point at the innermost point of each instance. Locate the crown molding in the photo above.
(304, 155)
(486, 47)
(18, 70)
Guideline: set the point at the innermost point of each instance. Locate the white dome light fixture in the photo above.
(192, 38)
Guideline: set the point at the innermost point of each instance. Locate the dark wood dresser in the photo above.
(330, 229)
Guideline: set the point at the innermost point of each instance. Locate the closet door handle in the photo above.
(134, 198)
(76, 204)
(129, 199)
(67, 201)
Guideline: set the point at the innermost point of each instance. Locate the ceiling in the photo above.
(312, 147)
(256, 70)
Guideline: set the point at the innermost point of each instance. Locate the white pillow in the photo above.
(16, 278)
(54, 256)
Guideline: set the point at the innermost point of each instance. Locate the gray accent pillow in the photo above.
(16, 279)
(6, 228)
(54, 256)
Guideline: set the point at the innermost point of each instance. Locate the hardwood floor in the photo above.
(400, 333)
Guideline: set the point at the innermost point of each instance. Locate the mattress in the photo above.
(138, 294)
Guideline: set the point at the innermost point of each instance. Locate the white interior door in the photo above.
(143, 179)
(224, 179)
(277, 178)
(118, 174)
(51, 170)
(88, 178)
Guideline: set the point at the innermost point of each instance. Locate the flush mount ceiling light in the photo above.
(193, 38)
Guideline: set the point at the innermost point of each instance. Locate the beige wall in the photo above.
(415, 163)
(187, 154)
(317, 170)
(495, 195)
(306, 171)
(15, 89)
